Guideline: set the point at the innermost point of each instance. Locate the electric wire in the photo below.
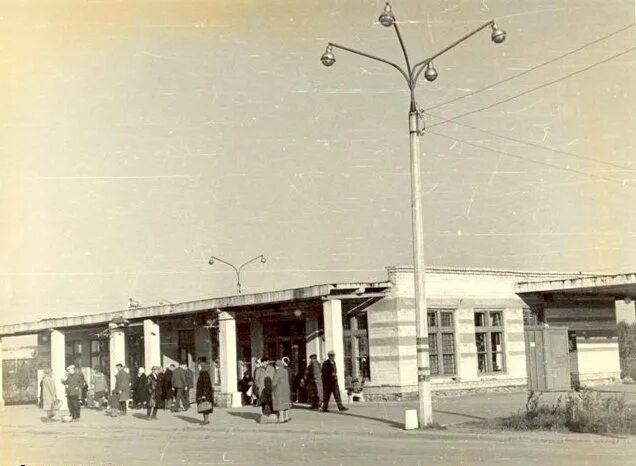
(519, 157)
(536, 88)
(529, 70)
(539, 146)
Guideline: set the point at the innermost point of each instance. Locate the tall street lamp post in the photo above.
(416, 129)
(238, 269)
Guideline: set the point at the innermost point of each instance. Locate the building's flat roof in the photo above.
(335, 290)
(527, 274)
(619, 285)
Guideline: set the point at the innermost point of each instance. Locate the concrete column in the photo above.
(58, 365)
(625, 310)
(332, 313)
(313, 337)
(256, 341)
(117, 349)
(355, 350)
(152, 345)
(1, 381)
(227, 346)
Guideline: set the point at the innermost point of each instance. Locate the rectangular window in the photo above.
(432, 353)
(530, 317)
(489, 341)
(441, 343)
(186, 346)
(356, 347)
(74, 353)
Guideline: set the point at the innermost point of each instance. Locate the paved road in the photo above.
(369, 434)
(198, 447)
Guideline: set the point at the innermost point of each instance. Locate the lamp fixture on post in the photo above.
(238, 269)
(411, 75)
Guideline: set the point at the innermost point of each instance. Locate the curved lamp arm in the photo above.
(422, 64)
(373, 57)
(261, 257)
(406, 55)
(214, 258)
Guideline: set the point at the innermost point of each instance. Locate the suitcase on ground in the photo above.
(113, 405)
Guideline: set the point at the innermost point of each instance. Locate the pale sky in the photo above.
(138, 138)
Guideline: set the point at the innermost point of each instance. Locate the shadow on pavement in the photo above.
(143, 417)
(249, 416)
(388, 422)
(470, 416)
(304, 406)
(191, 420)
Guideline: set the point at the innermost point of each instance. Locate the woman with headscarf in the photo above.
(281, 392)
(49, 395)
(205, 391)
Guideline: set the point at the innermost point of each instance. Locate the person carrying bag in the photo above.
(205, 391)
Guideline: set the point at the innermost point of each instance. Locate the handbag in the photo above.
(204, 405)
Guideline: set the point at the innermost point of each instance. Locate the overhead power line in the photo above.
(539, 146)
(529, 70)
(541, 86)
(519, 157)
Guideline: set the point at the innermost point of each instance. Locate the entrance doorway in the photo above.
(286, 338)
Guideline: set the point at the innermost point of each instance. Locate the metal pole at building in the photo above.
(411, 75)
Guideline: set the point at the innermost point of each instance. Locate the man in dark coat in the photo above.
(330, 383)
(122, 388)
(167, 390)
(154, 392)
(74, 384)
(180, 384)
(189, 383)
(313, 380)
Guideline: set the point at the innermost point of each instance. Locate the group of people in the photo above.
(75, 385)
(271, 387)
(169, 389)
(321, 381)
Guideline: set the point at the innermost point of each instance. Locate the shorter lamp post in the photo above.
(238, 269)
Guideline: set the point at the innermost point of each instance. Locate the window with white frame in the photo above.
(489, 336)
(441, 342)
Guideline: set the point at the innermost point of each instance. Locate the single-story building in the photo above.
(476, 321)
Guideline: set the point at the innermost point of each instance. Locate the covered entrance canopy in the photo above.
(228, 331)
(619, 286)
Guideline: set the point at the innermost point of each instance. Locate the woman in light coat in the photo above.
(281, 392)
(49, 395)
